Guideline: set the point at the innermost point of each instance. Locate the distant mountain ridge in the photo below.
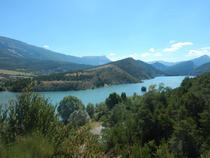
(190, 67)
(166, 63)
(159, 66)
(15, 55)
(14, 48)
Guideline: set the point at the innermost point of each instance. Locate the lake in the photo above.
(100, 94)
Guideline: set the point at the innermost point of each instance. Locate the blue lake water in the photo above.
(100, 94)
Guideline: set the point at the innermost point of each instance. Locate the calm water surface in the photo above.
(100, 94)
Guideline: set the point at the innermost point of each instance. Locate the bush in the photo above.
(67, 106)
(34, 146)
(78, 118)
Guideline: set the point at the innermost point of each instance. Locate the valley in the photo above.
(51, 71)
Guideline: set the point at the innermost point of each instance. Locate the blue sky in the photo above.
(148, 30)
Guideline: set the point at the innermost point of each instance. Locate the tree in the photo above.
(143, 89)
(79, 118)
(123, 96)
(67, 106)
(112, 100)
(90, 110)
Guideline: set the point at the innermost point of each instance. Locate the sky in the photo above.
(170, 30)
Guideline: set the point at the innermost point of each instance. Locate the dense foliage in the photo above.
(164, 123)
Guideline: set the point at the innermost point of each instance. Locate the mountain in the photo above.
(188, 67)
(166, 63)
(182, 68)
(10, 48)
(91, 60)
(202, 69)
(37, 66)
(120, 72)
(201, 60)
(137, 68)
(159, 66)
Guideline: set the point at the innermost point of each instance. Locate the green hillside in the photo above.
(37, 66)
(119, 72)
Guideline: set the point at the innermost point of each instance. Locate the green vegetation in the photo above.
(119, 72)
(163, 123)
(68, 106)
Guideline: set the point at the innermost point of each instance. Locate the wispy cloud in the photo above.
(46, 46)
(199, 52)
(151, 53)
(114, 56)
(176, 46)
(152, 50)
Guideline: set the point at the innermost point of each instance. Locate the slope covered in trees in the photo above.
(123, 71)
(164, 123)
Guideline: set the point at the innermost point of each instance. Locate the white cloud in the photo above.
(46, 46)
(157, 54)
(199, 52)
(152, 50)
(176, 46)
(114, 57)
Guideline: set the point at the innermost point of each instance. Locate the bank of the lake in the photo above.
(100, 94)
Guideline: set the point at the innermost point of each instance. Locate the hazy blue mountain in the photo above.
(188, 67)
(10, 48)
(159, 66)
(93, 60)
(202, 69)
(201, 60)
(166, 63)
(182, 68)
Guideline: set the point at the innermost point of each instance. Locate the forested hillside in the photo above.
(119, 72)
(163, 123)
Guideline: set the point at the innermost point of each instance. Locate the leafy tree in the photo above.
(183, 142)
(80, 143)
(28, 113)
(112, 100)
(90, 110)
(79, 118)
(123, 96)
(67, 106)
(163, 151)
